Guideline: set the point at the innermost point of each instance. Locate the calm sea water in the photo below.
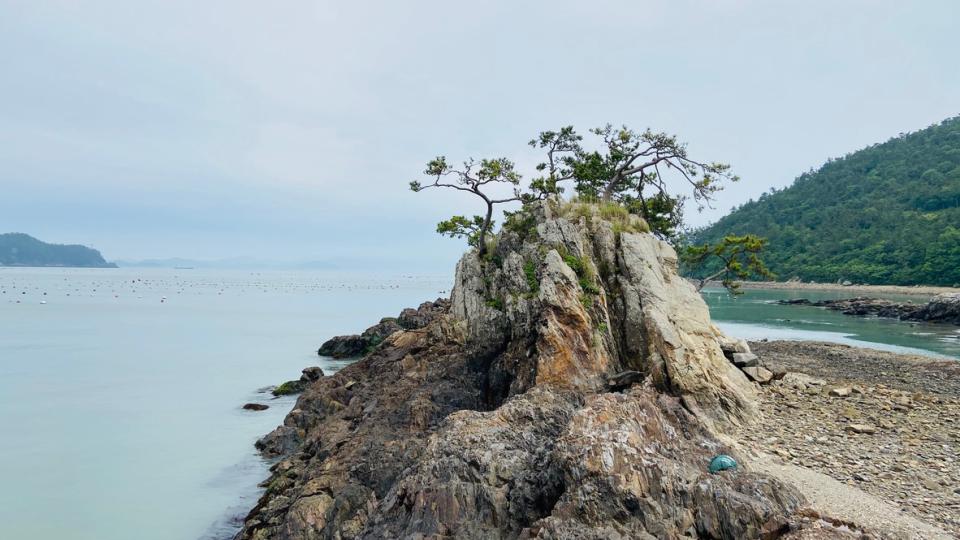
(120, 390)
(120, 410)
(755, 315)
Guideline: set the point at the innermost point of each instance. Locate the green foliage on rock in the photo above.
(495, 303)
(289, 388)
(887, 214)
(530, 272)
(583, 268)
(637, 172)
(463, 227)
(738, 258)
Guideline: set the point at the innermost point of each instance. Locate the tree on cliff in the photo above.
(630, 168)
(738, 256)
(473, 178)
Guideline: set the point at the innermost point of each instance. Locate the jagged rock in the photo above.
(731, 346)
(743, 360)
(312, 374)
(411, 319)
(355, 346)
(758, 374)
(493, 416)
(943, 308)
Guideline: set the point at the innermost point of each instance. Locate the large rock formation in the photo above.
(495, 418)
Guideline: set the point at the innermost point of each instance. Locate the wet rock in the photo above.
(343, 347)
(359, 345)
(255, 407)
(943, 308)
(289, 388)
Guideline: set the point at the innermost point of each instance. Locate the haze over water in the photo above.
(122, 411)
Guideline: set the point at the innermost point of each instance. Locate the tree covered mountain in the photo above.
(887, 214)
(18, 249)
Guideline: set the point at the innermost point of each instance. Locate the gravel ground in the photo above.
(885, 423)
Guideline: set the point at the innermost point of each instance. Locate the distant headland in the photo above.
(18, 249)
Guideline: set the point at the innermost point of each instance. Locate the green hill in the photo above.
(887, 214)
(18, 249)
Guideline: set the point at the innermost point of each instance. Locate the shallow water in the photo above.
(120, 413)
(755, 315)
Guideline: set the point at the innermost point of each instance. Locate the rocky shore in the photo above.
(852, 288)
(885, 423)
(572, 387)
(943, 308)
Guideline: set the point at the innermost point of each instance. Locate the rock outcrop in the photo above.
(357, 345)
(943, 308)
(574, 387)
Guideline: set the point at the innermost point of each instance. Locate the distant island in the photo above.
(18, 249)
(888, 214)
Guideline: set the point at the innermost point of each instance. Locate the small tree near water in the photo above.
(739, 258)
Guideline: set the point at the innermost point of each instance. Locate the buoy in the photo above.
(722, 463)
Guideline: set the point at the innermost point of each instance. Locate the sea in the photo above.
(121, 390)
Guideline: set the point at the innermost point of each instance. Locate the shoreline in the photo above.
(858, 423)
(913, 290)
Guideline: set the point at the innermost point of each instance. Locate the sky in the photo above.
(290, 130)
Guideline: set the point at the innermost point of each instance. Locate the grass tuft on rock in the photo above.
(289, 388)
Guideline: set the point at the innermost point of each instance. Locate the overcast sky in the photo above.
(289, 130)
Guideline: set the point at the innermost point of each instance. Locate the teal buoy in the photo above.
(722, 463)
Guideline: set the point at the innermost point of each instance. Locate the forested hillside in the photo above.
(18, 249)
(887, 214)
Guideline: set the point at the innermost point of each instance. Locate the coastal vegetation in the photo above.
(18, 249)
(625, 173)
(625, 170)
(887, 214)
(737, 256)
